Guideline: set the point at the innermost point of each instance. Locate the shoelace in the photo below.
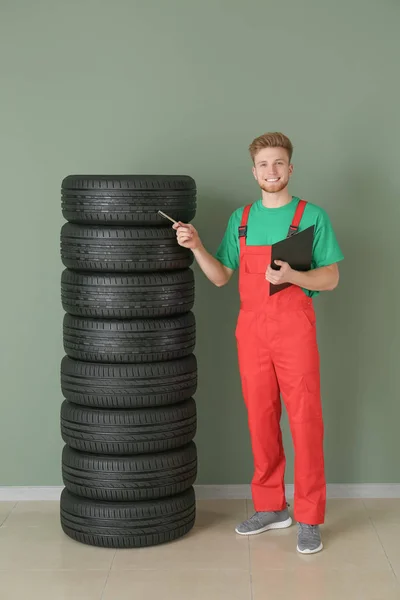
(309, 529)
(256, 519)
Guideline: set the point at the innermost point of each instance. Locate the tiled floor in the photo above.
(361, 559)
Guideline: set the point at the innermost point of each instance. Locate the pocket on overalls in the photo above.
(309, 313)
(311, 407)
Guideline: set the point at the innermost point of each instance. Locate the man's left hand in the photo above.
(282, 276)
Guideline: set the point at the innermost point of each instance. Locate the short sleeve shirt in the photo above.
(266, 226)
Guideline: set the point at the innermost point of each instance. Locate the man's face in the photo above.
(272, 169)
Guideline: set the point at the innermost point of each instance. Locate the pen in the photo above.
(166, 216)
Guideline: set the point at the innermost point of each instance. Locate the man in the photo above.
(276, 338)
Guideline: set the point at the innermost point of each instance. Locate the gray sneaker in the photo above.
(308, 539)
(263, 521)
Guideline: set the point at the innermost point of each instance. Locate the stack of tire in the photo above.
(128, 378)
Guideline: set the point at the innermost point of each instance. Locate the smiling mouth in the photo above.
(273, 180)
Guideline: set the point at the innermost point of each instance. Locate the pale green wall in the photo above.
(183, 87)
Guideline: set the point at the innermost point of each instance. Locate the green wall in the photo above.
(183, 87)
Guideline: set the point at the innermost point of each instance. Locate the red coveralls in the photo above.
(278, 353)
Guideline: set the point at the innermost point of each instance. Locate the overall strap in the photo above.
(297, 217)
(243, 225)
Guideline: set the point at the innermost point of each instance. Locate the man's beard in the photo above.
(273, 188)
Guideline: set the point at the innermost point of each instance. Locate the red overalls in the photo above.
(278, 353)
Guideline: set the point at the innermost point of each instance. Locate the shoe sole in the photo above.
(310, 551)
(278, 525)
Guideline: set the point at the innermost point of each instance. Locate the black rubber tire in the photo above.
(121, 249)
(138, 341)
(127, 525)
(128, 385)
(128, 199)
(127, 296)
(137, 431)
(129, 478)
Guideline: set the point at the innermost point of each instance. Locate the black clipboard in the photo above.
(295, 250)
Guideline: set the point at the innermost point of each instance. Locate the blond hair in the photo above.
(271, 140)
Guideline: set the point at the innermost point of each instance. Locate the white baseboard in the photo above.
(20, 493)
(229, 492)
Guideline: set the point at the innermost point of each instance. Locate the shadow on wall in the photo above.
(357, 332)
(222, 431)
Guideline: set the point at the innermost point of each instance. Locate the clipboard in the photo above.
(295, 250)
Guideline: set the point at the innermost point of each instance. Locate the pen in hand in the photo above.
(166, 216)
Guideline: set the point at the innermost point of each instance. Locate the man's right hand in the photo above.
(187, 236)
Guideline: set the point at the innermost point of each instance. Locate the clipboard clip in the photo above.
(292, 230)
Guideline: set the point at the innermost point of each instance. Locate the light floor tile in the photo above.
(389, 536)
(34, 514)
(384, 511)
(323, 584)
(201, 548)
(5, 510)
(52, 585)
(48, 548)
(178, 585)
(359, 562)
(343, 549)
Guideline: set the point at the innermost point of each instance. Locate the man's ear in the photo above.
(291, 167)
(254, 173)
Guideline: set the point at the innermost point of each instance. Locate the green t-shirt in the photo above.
(266, 226)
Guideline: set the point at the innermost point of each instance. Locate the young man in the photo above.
(276, 338)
